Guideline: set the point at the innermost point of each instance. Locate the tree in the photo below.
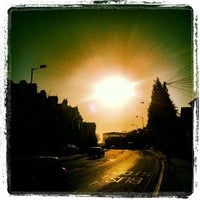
(162, 117)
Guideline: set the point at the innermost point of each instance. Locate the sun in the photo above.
(114, 91)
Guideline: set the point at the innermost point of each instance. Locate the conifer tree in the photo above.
(162, 117)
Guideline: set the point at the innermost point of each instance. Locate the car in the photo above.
(96, 152)
(69, 149)
(43, 173)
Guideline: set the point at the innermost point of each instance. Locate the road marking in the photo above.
(75, 169)
(146, 174)
(105, 176)
(105, 179)
(152, 175)
(157, 188)
(136, 180)
(131, 177)
(117, 180)
(121, 178)
(128, 180)
(128, 173)
(94, 163)
(137, 173)
(93, 183)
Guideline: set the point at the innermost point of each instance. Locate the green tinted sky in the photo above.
(81, 46)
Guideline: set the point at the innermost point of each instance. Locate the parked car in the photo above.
(69, 149)
(96, 152)
(44, 173)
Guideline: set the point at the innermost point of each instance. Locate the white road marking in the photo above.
(128, 173)
(128, 180)
(93, 183)
(136, 180)
(105, 176)
(157, 188)
(94, 163)
(75, 169)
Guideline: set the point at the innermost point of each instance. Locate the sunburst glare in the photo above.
(114, 91)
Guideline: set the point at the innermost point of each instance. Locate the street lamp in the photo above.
(142, 121)
(142, 102)
(41, 67)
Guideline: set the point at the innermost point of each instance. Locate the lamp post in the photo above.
(141, 102)
(142, 121)
(41, 67)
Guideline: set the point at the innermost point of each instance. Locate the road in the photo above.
(120, 172)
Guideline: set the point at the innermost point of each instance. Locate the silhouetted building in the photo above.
(37, 124)
(184, 136)
(115, 140)
(88, 136)
(69, 123)
(52, 102)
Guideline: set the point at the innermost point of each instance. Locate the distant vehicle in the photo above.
(44, 173)
(69, 149)
(96, 152)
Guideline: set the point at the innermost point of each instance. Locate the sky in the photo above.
(95, 54)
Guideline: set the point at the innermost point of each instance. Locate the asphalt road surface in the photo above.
(120, 173)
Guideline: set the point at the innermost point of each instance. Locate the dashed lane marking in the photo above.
(94, 163)
(93, 183)
(75, 169)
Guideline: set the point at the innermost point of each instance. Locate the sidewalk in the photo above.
(178, 182)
